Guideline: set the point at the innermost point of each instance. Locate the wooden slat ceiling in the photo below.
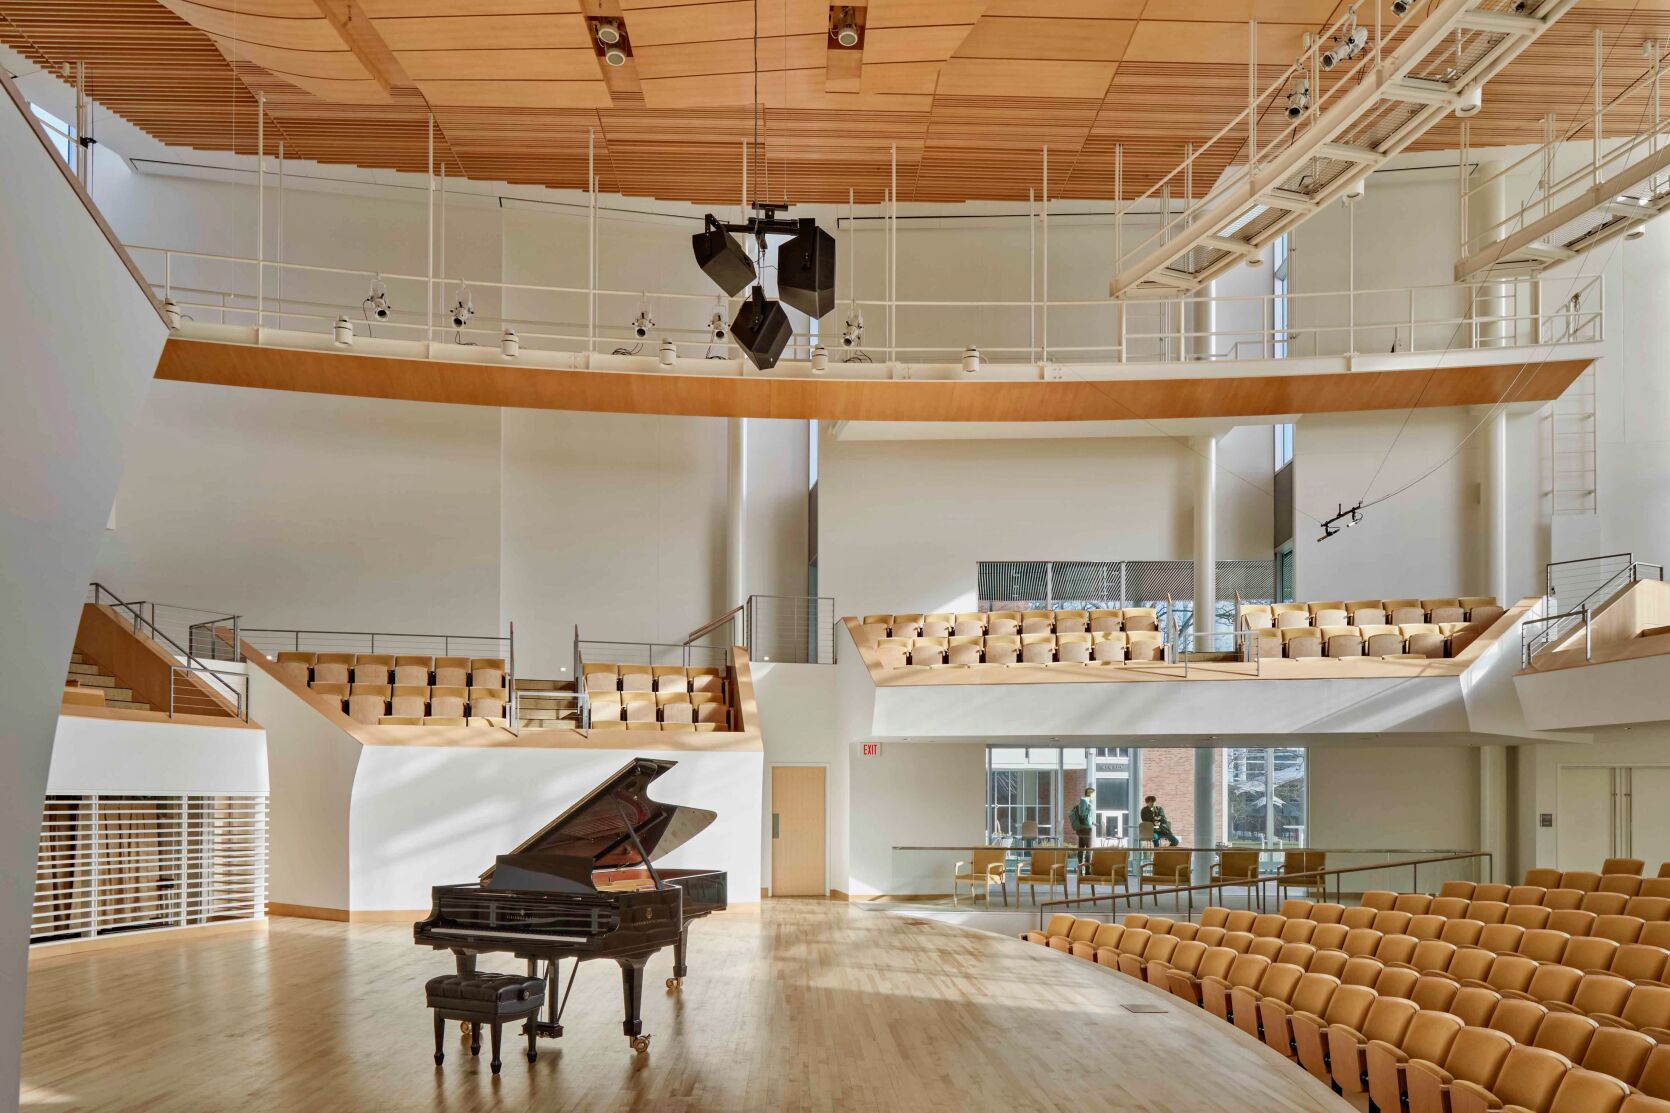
(969, 91)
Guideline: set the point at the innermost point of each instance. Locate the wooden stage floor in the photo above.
(790, 1005)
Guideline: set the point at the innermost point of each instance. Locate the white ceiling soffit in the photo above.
(1042, 430)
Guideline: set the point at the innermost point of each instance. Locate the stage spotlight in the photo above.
(669, 352)
(722, 258)
(509, 343)
(1471, 101)
(820, 360)
(643, 324)
(1298, 97)
(971, 359)
(344, 331)
(1401, 7)
(852, 336)
(717, 329)
(806, 270)
(608, 32)
(614, 55)
(1346, 45)
(377, 301)
(762, 330)
(463, 309)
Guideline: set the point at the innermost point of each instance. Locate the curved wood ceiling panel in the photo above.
(968, 90)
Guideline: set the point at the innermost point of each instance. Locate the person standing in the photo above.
(1083, 821)
(1153, 813)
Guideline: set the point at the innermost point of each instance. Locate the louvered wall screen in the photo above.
(113, 864)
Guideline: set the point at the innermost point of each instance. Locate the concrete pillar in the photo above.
(1205, 549)
(736, 514)
(1493, 811)
(1206, 812)
(1496, 504)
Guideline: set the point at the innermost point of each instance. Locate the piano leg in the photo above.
(676, 982)
(549, 1028)
(632, 982)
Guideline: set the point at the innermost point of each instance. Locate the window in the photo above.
(1266, 796)
(1284, 445)
(1037, 785)
(63, 140)
(1284, 573)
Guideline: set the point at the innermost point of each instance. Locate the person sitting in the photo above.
(1153, 813)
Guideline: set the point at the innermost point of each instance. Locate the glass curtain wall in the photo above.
(1039, 585)
(1266, 796)
(1030, 789)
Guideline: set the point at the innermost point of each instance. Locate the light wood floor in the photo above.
(789, 1005)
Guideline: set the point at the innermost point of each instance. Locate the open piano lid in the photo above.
(593, 835)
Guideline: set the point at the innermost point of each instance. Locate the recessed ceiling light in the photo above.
(608, 33)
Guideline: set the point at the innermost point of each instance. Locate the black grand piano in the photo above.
(586, 886)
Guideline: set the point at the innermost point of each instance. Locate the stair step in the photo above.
(77, 659)
(549, 724)
(87, 681)
(526, 685)
(78, 668)
(131, 705)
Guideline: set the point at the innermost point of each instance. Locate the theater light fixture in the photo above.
(344, 331)
(844, 27)
(377, 301)
(820, 360)
(608, 32)
(611, 41)
(1345, 519)
(852, 335)
(1347, 44)
(669, 352)
(643, 324)
(462, 309)
(717, 329)
(1401, 7)
(1298, 96)
(971, 359)
(1471, 101)
(1354, 191)
(509, 343)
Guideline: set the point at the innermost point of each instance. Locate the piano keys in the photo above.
(585, 886)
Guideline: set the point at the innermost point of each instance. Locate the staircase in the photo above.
(87, 674)
(547, 705)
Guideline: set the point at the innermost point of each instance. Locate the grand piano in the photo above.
(586, 886)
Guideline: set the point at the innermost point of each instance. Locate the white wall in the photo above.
(70, 394)
(913, 794)
(426, 816)
(122, 756)
(312, 512)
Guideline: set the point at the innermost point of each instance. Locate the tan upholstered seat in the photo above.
(413, 670)
(1482, 610)
(671, 678)
(1072, 622)
(1631, 866)
(1140, 618)
(409, 701)
(373, 668)
(964, 649)
(1301, 641)
(1106, 621)
(1342, 641)
(1107, 867)
(1037, 649)
(969, 624)
(332, 668)
(297, 665)
(633, 678)
(601, 677)
(1366, 612)
(1405, 612)
(1003, 649)
(1046, 866)
(447, 701)
(1144, 645)
(368, 703)
(490, 703)
(1288, 615)
(1254, 616)
(708, 679)
(894, 653)
(1329, 614)
(1037, 622)
(454, 672)
(333, 693)
(1422, 638)
(937, 625)
(928, 651)
(1073, 648)
(1003, 623)
(1381, 640)
(1440, 611)
(906, 626)
(675, 707)
(1107, 646)
(1167, 868)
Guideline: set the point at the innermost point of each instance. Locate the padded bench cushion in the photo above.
(486, 993)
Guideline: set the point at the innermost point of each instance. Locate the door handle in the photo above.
(774, 824)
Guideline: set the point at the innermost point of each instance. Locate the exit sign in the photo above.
(870, 749)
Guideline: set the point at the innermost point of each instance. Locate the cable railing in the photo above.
(1599, 588)
(651, 654)
(1315, 880)
(787, 629)
(220, 687)
(1090, 331)
(271, 641)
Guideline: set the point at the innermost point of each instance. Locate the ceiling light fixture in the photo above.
(669, 352)
(844, 28)
(1470, 102)
(1345, 519)
(1347, 44)
(820, 360)
(1298, 96)
(509, 343)
(608, 32)
(377, 301)
(344, 331)
(971, 359)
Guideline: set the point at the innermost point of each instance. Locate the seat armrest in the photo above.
(1271, 1003)
(1345, 1030)
(1431, 1069)
(1397, 1054)
(1607, 1020)
(996, 869)
(960, 866)
(1470, 1097)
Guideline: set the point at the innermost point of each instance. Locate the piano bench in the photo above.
(478, 999)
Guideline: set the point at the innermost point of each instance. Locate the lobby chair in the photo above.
(985, 869)
(1240, 868)
(1167, 868)
(1300, 871)
(1048, 867)
(1107, 867)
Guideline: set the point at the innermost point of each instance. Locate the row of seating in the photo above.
(1480, 609)
(440, 721)
(1525, 905)
(1411, 640)
(978, 624)
(1346, 1018)
(371, 703)
(387, 668)
(666, 707)
(1031, 649)
(1587, 881)
(606, 677)
(609, 724)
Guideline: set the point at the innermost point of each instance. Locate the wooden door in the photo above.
(797, 831)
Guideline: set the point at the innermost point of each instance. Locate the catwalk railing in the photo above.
(1311, 880)
(210, 289)
(1597, 587)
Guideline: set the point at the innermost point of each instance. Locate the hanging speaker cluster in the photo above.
(805, 268)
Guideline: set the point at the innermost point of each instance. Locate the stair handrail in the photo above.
(155, 634)
(705, 630)
(1555, 626)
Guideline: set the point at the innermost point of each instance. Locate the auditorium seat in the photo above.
(1073, 647)
(332, 668)
(1003, 649)
(447, 701)
(1106, 621)
(373, 668)
(1037, 648)
(1367, 612)
(298, 666)
(965, 649)
(1475, 1056)
(936, 625)
(927, 651)
(1440, 611)
(367, 703)
(409, 700)
(330, 690)
(1144, 645)
(413, 670)
(1003, 623)
(1301, 641)
(1140, 619)
(452, 672)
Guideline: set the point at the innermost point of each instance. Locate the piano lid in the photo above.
(595, 829)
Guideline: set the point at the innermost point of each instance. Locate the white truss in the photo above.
(1368, 110)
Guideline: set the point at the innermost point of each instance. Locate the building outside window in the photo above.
(1037, 785)
(1266, 796)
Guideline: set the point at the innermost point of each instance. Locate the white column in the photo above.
(1489, 207)
(1206, 825)
(1493, 810)
(1496, 503)
(736, 513)
(1206, 549)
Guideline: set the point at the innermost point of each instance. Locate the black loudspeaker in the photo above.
(722, 258)
(806, 270)
(762, 330)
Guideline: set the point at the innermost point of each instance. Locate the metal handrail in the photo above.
(704, 631)
(1245, 639)
(1530, 644)
(156, 634)
(1337, 872)
(237, 685)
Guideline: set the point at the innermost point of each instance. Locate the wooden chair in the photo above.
(1107, 867)
(1166, 869)
(1048, 866)
(1238, 867)
(1298, 871)
(986, 868)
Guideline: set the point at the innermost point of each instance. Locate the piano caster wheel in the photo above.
(674, 984)
(640, 1044)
